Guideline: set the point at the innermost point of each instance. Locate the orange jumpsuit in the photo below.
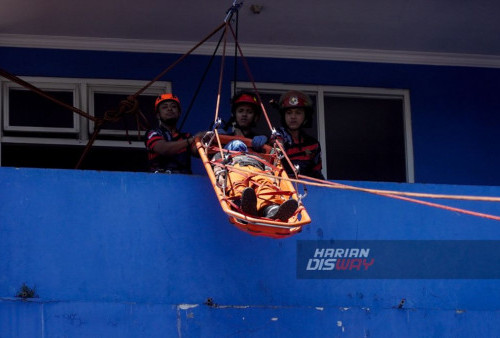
(263, 186)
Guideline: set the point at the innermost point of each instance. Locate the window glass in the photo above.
(365, 133)
(104, 102)
(55, 137)
(28, 109)
(365, 139)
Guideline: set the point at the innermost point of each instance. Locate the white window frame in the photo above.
(46, 84)
(122, 87)
(82, 89)
(360, 92)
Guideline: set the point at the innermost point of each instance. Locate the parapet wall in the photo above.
(137, 254)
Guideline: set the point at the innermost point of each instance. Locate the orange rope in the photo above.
(264, 111)
(441, 206)
(329, 184)
(250, 76)
(248, 174)
(394, 194)
(221, 73)
(323, 183)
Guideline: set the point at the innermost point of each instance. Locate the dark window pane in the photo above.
(365, 139)
(104, 102)
(28, 109)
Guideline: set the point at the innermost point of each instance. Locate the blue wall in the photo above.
(137, 254)
(455, 116)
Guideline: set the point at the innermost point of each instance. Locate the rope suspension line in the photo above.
(130, 106)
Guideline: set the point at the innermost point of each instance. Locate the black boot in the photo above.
(249, 202)
(281, 212)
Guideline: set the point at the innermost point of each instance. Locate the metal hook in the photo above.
(211, 133)
(234, 8)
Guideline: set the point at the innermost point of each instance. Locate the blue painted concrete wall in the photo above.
(139, 255)
(454, 110)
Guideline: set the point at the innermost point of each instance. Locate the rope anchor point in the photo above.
(233, 9)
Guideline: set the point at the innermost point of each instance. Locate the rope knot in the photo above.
(128, 106)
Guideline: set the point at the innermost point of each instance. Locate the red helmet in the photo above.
(295, 99)
(167, 97)
(247, 98)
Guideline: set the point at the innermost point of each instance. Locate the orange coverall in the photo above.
(263, 186)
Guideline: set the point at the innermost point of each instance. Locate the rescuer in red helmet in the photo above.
(169, 150)
(304, 151)
(245, 113)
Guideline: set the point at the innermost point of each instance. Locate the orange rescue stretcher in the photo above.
(258, 226)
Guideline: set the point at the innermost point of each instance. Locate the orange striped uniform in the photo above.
(304, 152)
(179, 163)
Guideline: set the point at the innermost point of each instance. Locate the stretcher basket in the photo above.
(257, 226)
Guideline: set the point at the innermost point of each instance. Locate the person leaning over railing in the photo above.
(169, 149)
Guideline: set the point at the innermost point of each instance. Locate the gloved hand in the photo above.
(283, 137)
(258, 142)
